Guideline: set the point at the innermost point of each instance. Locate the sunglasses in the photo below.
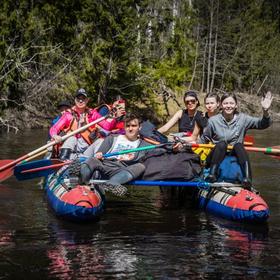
(192, 101)
(80, 100)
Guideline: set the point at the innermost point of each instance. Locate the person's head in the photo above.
(81, 99)
(229, 104)
(132, 124)
(63, 106)
(212, 103)
(191, 100)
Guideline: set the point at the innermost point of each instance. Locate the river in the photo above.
(141, 236)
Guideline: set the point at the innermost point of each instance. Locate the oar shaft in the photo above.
(268, 150)
(134, 150)
(37, 155)
(53, 166)
(63, 138)
(201, 184)
(51, 143)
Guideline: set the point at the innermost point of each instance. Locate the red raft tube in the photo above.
(79, 203)
(235, 203)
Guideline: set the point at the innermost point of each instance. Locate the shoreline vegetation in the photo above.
(149, 52)
(248, 104)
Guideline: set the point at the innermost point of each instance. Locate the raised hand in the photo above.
(119, 108)
(266, 101)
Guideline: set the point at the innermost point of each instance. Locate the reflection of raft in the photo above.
(233, 203)
(81, 203)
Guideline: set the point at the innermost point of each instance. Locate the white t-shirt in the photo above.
(122, 143)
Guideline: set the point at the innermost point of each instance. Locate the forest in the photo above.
(149, 52)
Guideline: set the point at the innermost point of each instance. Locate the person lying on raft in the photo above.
(229, 128)
(79, 116)
(212, 105)
(187, 117)
(123, 168)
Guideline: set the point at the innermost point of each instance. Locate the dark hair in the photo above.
(212, 95)
(193, 94)
(132, 116)
(229, 94)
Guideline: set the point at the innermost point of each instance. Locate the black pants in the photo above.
(109, 168)
(218, 154)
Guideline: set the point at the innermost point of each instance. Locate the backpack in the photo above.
(148, 130)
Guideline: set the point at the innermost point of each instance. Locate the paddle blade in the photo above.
(21, 168)
(7, 173)
(249, 140)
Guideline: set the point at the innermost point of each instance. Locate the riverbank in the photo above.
(15, 120)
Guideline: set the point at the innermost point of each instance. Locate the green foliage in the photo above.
(132, 48)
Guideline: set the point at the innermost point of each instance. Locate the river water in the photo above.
(142, 236)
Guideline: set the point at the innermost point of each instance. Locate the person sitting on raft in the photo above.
(187, 117)
(212, 105)
(123, 168)
(229, 128)
(79, 116)
(101, 133)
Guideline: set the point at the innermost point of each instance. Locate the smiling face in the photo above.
(211, 105)
(81, 102)
(229, 107)
(132, 128)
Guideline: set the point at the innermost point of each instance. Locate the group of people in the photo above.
(221, 125)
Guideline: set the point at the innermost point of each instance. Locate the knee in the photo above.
(221, 146)
(136, 170)
(92, 163)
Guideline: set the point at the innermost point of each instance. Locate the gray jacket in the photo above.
(218, 129)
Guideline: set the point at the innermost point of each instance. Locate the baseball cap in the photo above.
(64, 103)
(81, 91)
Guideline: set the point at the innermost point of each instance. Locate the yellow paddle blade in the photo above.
(203, 152)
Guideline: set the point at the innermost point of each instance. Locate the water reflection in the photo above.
(81, 253)
(147, 235)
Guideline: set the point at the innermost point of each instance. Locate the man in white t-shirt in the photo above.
(119, 169)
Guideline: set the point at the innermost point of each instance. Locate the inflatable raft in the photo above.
(78, 203)
(234, 203)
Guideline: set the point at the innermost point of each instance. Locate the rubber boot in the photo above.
(89, 168)
(247, 178)
(65, 153)
(85, 173)
(115, 186)
(212, 177)
(74, 173)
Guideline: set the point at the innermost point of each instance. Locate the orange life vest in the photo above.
(74, 125)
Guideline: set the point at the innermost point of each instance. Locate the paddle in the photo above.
(248, 139)
(269, 150)
(11, 165)
(43, 168)
(199, 184)
(9, 171)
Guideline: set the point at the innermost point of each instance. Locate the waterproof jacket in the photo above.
(218, 129)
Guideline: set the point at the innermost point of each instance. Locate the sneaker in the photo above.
(116, 189)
